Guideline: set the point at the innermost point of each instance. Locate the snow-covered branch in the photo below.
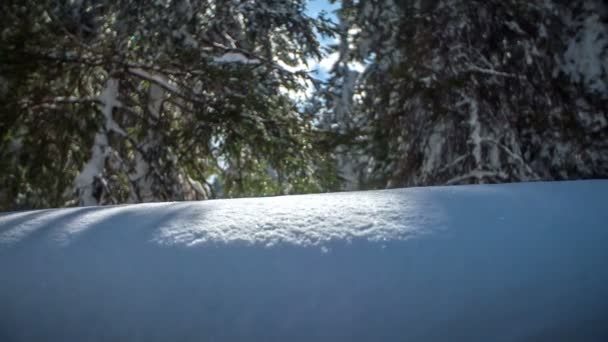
(235, 57)
(455, 162)
(162, 81)
(515, 156)
(477, 175)
(90, 177)
(473, 68)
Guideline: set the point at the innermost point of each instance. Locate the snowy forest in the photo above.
(126, 101)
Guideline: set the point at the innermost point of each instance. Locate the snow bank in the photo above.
(470, 263)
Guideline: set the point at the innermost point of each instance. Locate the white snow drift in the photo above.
(470, 263)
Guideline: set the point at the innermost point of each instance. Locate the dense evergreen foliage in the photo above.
(473, 91)
(128, 101)
(105, 102)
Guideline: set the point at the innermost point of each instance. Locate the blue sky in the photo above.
(320, 68)
(316, 6)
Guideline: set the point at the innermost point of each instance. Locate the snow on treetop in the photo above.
(476, 263)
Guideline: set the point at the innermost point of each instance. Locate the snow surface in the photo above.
(467, 263)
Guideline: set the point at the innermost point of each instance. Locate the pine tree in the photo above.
(137, 101)
(480, 91)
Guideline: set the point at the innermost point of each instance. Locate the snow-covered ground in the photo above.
(465, 263)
